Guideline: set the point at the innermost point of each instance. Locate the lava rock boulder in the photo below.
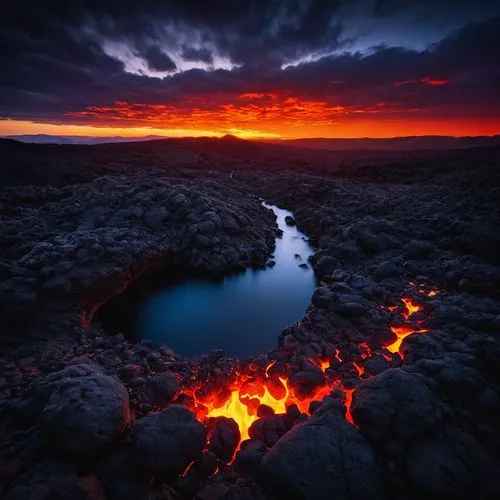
(397, 404)
(85, 410)
(324, 457)
(165, 443)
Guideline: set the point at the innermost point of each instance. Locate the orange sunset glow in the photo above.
(254, 116)
(327, 81)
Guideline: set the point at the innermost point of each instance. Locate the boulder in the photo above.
(290, 221)
(49, 480)
(306, 381)
(324, 457)
(165, 443)
(162, 389)
(395, 403)
(225, 438)
(85, 410)
(325, 265)
(434, 468)
(251, 453)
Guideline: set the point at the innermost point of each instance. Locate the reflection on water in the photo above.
(242, 314)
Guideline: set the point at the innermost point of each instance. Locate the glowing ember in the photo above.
(337, 355)
(348, 402)
(366, 351)
(325, 365)
(268, 367)
(359, 368)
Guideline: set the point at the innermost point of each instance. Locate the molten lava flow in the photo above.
(401, 333)
(247, 395)
(242, 406)
(410, 307)
(253, 387)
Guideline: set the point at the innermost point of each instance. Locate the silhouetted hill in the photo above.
(231, 137)
(78, 139)
(413, 143)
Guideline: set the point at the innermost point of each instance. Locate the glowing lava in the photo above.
(359, 368)
(246, 397)
(239, 407)
(401, 333)
(348, 403)
(366, 351)
(242, 399)
(411, 308)
(325, 365)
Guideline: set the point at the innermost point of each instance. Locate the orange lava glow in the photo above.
(411, 308)
(348, 403)
(242, 399)
(246, 397)
(359, 368)
(365, 350)
(404, 331)
(325, 365)
(401, 332)
(237, 407)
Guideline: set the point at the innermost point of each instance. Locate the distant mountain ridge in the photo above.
(78, 139)
(410, 143)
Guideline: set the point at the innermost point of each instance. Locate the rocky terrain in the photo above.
(91, 416)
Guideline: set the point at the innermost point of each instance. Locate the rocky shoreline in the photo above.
(85, 415)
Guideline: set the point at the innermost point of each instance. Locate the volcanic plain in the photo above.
(388, 387)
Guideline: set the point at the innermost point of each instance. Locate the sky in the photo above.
(261, 69)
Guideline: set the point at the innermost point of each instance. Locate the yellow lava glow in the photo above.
(245, 398)
(404, 331)
(401, 333)
(411, 308)
(242, 414)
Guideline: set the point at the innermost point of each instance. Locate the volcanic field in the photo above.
(387, 388)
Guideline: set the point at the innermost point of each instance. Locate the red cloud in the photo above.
(257, 95)
(426, 80)
(435, 82)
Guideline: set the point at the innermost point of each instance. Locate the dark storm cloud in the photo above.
(194, 54)
(53, 58)
(158, 60)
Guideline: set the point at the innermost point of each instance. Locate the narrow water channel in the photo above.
(242, 314)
